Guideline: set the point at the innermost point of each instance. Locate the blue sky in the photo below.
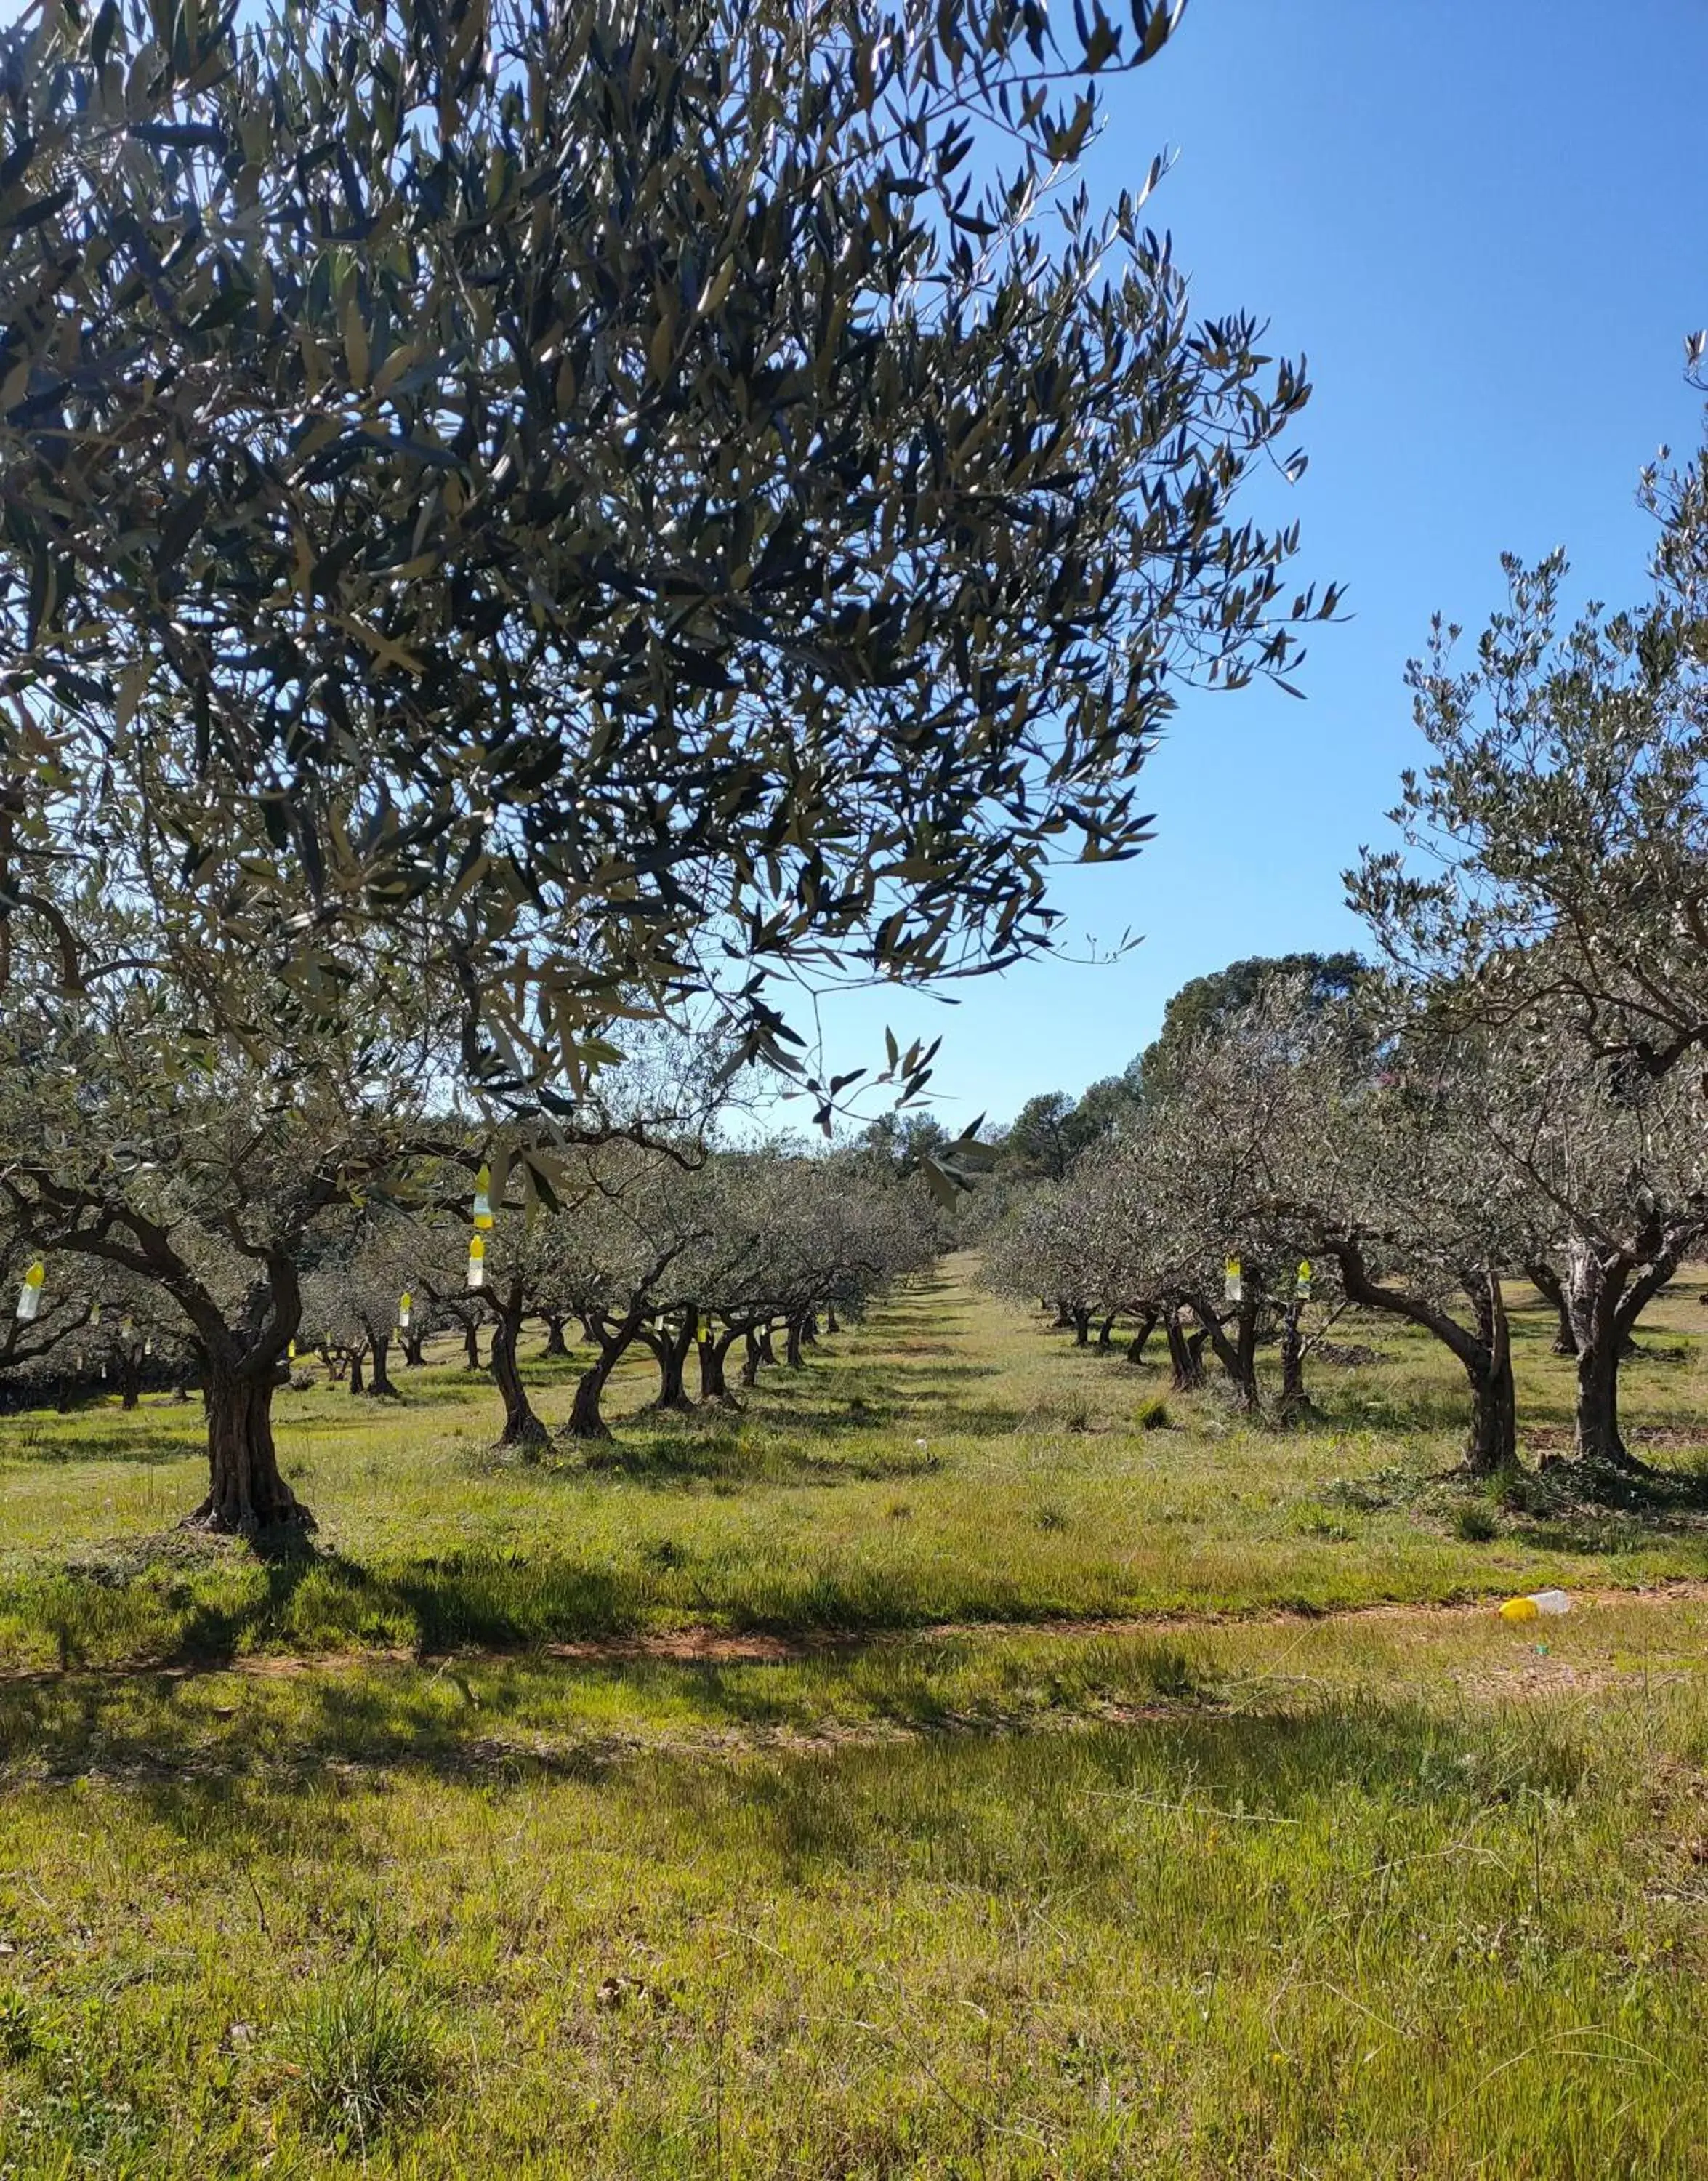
(1485, 225)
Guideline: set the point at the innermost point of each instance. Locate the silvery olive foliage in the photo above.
(588, 505)
(1554, 857)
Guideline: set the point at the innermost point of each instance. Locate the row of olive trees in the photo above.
(1355, 1154)
(644, 1241)
(683, 1257)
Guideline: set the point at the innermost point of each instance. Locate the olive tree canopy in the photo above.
(601, 488)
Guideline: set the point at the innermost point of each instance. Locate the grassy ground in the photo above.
(337, 1865)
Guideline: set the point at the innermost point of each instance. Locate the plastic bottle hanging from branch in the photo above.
(29, 1294)
(483, 1198)
(405, 1303)
(1231, 1288)
(477, 1260)
(1302, 1283)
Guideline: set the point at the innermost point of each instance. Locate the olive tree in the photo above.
(1618, 1162)
(1555, 846)
(601, 490)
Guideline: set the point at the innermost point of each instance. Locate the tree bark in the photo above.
(1184, 1354)
(768, 1346)
(1082, 1328)
(522, 1427)
(751, 1361)
(1493, 1448)
(831, 1322)
(379, 1384)
(585, 1420)
(355, 1384)
(1550, 1286)
(671, 1352)
(1238, 1356)
(246, 1495)
(555, 1343)
(410, 1343)
(1485, 1355)
(1606, 1296)
(130, 1381)
(1294, 1401)
(714, 1349)
(791, 1350)
(471, 1344)
(1135, 1347)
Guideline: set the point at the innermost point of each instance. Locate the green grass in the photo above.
(335, 1867)
(948, 1462)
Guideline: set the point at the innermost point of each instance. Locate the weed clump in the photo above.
(1475, 1523)
(365, 2056)
(1153, 1416)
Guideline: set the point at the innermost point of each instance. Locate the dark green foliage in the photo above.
(1206, 1005)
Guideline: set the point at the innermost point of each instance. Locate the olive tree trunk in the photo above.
(1606, 1295)
(670, 1347)
(1485, 1350)
(1293, 1401)
(521, 1427)
(1552, 1288)
(1238, 1356)
(612, 1342)
(1185, 1352)
(246, 1495)
(379, 1383)
(714, 1350)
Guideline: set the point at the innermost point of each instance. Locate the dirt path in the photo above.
(702, 1646)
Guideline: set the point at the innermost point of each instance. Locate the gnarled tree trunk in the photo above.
(1606, 1295)
(555, 1343)
(1185, 1352)
(1550, 1286)
(613, 1343)
(1082, 1328)
(714, 1349)
(471, 1344)
(1238, 1356)
(791, 1350)
(355, 1382)
(246, 1495)
(1485, 1354)
(522, 1427)
(1293, 1401)
(671, 1352)
(379, 1384)
(1135, 1347)
(753, 1359)
(1493, 1445)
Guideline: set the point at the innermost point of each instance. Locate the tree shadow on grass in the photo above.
(729, 1458)
(145, 1444)
(217, 1767)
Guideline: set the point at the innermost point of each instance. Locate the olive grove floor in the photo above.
(932, 1770)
